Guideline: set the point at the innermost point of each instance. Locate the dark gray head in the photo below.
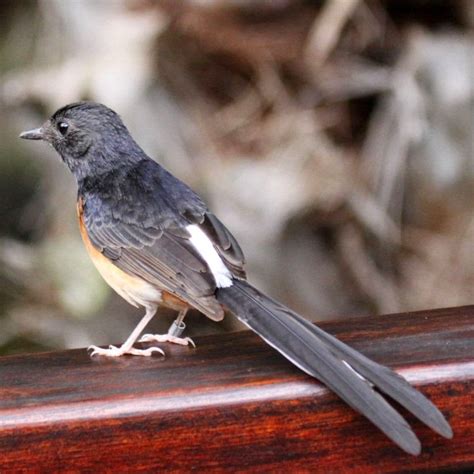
(90, 137)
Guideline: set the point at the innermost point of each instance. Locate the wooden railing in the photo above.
(234, 404)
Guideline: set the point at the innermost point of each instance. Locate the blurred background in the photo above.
(333, 137)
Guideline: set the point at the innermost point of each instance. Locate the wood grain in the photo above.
(234, 404)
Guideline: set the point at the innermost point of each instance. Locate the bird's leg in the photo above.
(174, 333)
(127, 346)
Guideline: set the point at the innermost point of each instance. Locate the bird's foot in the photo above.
(183, 341)
(114, 351)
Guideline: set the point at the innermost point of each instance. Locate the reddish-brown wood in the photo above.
(234, 404)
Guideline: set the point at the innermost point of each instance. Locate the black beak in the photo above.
(36, 134)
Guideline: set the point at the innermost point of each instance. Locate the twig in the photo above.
(326, 30)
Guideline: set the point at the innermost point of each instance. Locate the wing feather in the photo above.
(142, 228)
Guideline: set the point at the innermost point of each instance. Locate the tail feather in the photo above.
(348, 373)
(388, 382)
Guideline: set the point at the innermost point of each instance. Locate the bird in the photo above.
(156, 243)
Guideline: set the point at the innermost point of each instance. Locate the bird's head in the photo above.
(89, 137)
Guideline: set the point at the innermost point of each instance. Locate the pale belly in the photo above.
(136, 291)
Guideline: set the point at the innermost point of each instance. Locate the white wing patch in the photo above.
(205, 248)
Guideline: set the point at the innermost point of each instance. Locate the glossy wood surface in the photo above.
(235, 405)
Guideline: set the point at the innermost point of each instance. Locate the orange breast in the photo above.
(133, 289)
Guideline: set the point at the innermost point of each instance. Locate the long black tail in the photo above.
(344, 370)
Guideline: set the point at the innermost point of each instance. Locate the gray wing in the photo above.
(144, 234)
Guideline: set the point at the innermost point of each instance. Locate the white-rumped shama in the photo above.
(156, 243)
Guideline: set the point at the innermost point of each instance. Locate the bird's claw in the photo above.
(114, 351)
(183, 341)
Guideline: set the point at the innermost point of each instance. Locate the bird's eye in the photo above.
(62, 127)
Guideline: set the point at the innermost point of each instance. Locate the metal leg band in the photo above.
(177, 328)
